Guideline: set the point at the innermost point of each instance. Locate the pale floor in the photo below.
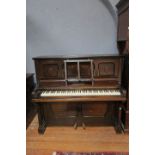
(93, 139)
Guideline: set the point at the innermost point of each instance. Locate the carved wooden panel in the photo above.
(61, 110)
(95, 109)
(106, 68)
(51, 70)
(85, 70)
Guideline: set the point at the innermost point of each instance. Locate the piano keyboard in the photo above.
(101, 92)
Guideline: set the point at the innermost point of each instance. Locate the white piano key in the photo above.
(91, 92)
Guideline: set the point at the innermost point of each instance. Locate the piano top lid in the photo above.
(78, 56)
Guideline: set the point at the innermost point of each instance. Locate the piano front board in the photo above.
(102, 72)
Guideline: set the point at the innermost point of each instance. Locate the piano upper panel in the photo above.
(49, 69)
(106, 68)
(91, 71)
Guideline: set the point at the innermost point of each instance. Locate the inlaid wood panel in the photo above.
(50, 69)
(60, 110)
(96, 109)
(106, 68)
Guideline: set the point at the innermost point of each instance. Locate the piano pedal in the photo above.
(83, 126)
(75, 125)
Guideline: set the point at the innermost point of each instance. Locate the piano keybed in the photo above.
(79, 92)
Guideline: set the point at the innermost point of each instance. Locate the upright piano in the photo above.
(77, 91)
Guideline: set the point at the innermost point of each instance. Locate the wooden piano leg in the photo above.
(118, 127)
(81, 115)
(41, 119)
(126, 128)
(77, 118)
